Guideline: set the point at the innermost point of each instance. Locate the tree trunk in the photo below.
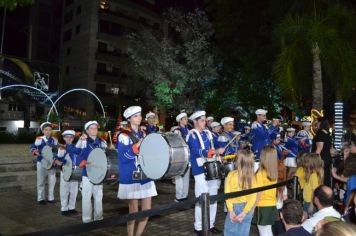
(317, 80)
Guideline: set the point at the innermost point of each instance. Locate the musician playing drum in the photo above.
(86, 144)
(68, 190)
(42, 173)
(227, 135)
(182, 182)
(216, 131)
(130, 187)
(199, 140)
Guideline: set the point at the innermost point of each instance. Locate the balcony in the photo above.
(119, 41)
(107, 77)
(11, 115)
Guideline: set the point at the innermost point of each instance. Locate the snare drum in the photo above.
(228, 166)
(163, 155)
(47, 157)
(213, 170)
(70, 171)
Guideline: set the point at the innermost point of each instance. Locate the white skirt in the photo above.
(137, 190)
(290, 162)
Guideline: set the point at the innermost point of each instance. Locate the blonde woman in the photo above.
(240, 209)
(266, 211)
(313, 176)
(335, 228)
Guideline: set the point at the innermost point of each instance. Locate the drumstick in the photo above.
(232, 140)
(110, 137)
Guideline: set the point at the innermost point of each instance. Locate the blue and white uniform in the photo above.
(260, 138)
(308, 142)
(151, 129)
(200, 148)
(130, 188)
(84, 146)
(293, 146)
(224, 139)
(68, 190)
(42, 172)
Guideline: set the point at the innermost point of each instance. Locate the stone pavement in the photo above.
(20, 213)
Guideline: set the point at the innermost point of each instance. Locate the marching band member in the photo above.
(86, 144)
(182, 181)
(260, 134)
(291, 159)
(209, 120)
(247, 135)
(199, 140)
(131, 188)
(68, 190)
(306, 143)
(276, 143)
(151, 127)
(227, 135)
(42, 173)
(274, 127)
(216, 131)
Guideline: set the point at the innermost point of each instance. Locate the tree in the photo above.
(180, 66)
(12, 4)
(316, 49)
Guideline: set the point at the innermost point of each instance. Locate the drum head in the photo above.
(67, 168)
(154, 156)
(97, 166)
(47, 157)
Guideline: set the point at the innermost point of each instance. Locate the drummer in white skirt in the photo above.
(86, 144)
(200, 142)
(182, 181)
(133, 190)
(68, 190)
(292, 145)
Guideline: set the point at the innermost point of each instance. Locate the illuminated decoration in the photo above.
(104, 4)
(30, 87)
(41, 81)
(315, 114)
(338, 125)
(76, 90)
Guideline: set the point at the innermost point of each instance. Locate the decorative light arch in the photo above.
(34, 88)
(75, 90)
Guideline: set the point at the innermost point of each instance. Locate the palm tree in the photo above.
(316, 50)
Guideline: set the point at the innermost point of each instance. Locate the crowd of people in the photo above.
(260, 155)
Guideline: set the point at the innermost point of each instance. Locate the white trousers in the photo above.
(204, 186)
(265, 230)
(182, 185)
(88, 191)
(42, 173)
(68, 191)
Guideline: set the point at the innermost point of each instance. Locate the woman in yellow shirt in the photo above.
(300, 173)
(240, 209)
(314, 175)
(266, 213)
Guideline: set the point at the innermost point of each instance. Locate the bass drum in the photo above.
(70, 171)
(163, 155)
(113, 168)
(47, 157)
(97, 165)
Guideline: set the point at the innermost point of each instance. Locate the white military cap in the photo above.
(209, 118)
(132, 110)
(89, 123)
(197, 114)
(149, 114)
(215, 124)
(180, 116)
(247, 127)
(123, 122)
(306, 123)
(260, 112)
(290, 129)
(225, 120)
(68, 132)
(45, 124)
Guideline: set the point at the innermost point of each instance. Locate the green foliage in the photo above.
(12, 4)
(180, 68)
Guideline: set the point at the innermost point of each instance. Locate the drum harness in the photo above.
(138, 173)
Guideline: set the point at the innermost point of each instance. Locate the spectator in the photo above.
(322, 146)
(336, 228)
(292, 217)
(323, 201)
